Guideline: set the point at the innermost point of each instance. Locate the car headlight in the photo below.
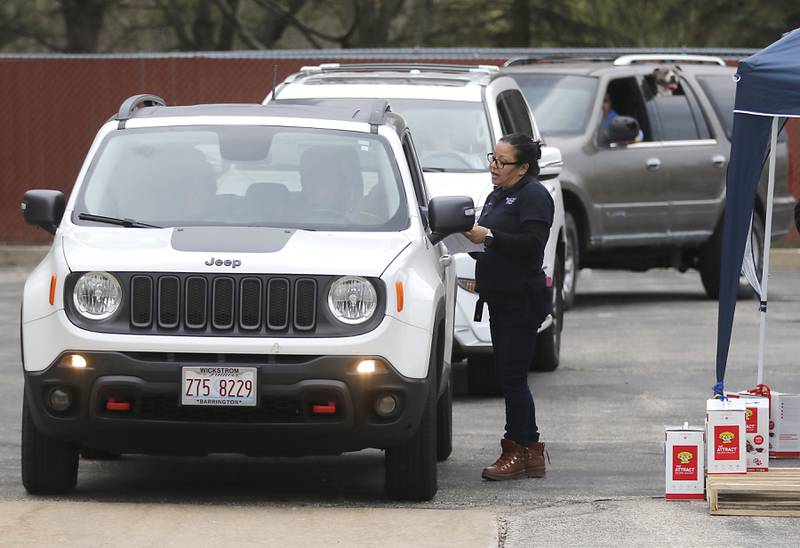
(352, 300)
(97, 295)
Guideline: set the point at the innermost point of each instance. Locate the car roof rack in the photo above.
(133, 103)
(410, 67)
(625, 60)
(531, 60)
(378, 114)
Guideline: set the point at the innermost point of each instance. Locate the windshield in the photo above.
(245, 176)
(448, 135)
(561, 104)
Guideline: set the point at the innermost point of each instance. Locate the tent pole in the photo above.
(762, 336)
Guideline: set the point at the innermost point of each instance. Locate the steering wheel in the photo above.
(445, 154)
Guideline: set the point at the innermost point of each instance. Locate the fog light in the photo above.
(366, 367)
(59, 399)
(386, 405)
(75, 360)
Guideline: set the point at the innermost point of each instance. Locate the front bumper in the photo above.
(283, 422)
(405, 346)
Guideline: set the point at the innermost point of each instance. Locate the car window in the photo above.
(449, 135)
(514, 116)
(721, 92)
(624, 98)
(247, 176)
(561, 104)
(676, 118)
(699, 116)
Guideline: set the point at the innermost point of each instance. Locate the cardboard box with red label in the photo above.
(784, 425)
(684, 462)
(756, 419)
(726, 436)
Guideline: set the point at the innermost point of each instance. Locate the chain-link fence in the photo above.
(52, 106)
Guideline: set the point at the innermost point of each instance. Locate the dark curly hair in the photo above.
(528, 151)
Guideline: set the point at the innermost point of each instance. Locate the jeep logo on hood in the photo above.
(220, 262)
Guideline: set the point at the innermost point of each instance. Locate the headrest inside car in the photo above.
(244, 143)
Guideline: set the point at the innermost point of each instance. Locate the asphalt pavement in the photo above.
(638, 353)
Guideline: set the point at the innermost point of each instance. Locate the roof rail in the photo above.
(530, 60)
(666, 57)
(377, 114)
(410, 67)
(130, 105)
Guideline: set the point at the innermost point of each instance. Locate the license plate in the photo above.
(221, 386)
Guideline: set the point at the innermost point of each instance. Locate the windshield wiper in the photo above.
(127, 223)
(434, 169)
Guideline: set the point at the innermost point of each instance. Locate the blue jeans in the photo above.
(513, 325)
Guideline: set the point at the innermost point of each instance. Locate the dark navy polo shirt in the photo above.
(499, 268)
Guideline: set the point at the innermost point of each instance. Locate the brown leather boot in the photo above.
(510, 465)
(534, 459)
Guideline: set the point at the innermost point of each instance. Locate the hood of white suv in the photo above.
(239, 250)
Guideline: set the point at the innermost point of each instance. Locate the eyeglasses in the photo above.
(500, 163)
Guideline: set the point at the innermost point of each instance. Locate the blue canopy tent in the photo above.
(768, 89)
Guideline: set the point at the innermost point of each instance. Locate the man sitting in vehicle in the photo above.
(609, 114)
(333, 187)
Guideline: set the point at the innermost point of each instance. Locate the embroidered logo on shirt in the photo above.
(510, 200)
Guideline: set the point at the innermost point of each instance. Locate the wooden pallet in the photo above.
(773, 493)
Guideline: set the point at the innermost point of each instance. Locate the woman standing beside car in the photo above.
(514, 226)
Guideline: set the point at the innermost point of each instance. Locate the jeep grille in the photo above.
(223, 303)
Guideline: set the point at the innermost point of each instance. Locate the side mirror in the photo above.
(550, 163)
(450, 214)
(44, 208)
(622, 129)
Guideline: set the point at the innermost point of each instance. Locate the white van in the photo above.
(457, 113)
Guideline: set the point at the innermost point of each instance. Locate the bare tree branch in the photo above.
(246, 37)
(309, 33)
(175, 19)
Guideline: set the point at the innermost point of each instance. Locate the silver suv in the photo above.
(639, 201)
(456, 114)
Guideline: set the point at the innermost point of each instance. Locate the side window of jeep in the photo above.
(416, 174)
(513, 112)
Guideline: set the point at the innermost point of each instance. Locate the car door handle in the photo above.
(445, 260)
(653, 164)
(718, 160)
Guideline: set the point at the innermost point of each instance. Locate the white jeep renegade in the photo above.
(456, 113)
(267, 280)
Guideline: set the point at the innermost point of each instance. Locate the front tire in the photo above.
(712, 255)
(49, 466)
(411, 468)
(87, 453)
(547, 353)
(571, 260)
(444, 424)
